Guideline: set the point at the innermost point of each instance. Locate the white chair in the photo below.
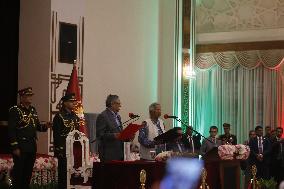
(85, 170)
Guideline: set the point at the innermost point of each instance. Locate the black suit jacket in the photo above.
(196, 141)
(253, 144)
(277, 158)
(109, 147)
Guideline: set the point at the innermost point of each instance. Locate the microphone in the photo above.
(133, 116)
(166, 116)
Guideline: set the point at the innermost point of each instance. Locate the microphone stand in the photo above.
(179, 120)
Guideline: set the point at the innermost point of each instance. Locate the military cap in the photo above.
(68, 97)
(26, 91)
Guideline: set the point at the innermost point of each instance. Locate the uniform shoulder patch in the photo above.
(13, 108)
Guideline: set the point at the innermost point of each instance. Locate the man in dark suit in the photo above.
(191, 142)
(109, 127)
(227, 137)
(176, 144)
(260, 149)
(277, 156)
(268, 132)
(23, 127)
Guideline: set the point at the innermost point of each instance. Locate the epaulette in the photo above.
(13, 107)
(33, 109)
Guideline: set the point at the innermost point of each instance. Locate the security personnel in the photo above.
(64, 122)
(227, 137)
(23, 124)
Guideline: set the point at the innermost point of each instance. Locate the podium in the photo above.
(169, 136)
(221, 174)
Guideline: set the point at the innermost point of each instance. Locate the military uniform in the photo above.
(23, 127)
(231, 139)
(63, 123)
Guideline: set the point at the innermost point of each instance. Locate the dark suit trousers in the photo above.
(277, 170)
(262, 170)
(22, 170)
(62, 172)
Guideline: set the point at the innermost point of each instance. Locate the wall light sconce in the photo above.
(188, 72)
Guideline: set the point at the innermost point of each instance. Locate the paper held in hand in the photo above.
(129, 131)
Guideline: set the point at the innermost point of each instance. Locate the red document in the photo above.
(129, 131)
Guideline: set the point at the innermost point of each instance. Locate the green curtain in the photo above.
(242, 97)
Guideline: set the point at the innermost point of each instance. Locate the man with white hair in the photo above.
(152, 127)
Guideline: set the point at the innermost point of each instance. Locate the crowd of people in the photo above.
(267, 152)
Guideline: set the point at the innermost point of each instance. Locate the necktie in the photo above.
(281, 149)
(260, 147)
(191, 143)
(179, 147)
(117, 120)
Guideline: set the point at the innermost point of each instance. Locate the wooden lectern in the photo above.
(222, 174)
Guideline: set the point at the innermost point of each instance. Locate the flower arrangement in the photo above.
(242, 151)
(45, 163)
(6, 165)
(226, 152)
(44, 171)
(230, 152)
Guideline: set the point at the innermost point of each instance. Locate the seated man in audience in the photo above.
(152, 127)
(228, 138)
(211, 142)
(191, 142)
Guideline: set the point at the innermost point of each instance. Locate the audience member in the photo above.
(260, 149)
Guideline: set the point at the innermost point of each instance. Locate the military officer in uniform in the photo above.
(23, 124)
(64, 122)
(227, 137)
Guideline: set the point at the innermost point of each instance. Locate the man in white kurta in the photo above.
(152, 127)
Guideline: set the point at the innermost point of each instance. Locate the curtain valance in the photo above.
(229, 60)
